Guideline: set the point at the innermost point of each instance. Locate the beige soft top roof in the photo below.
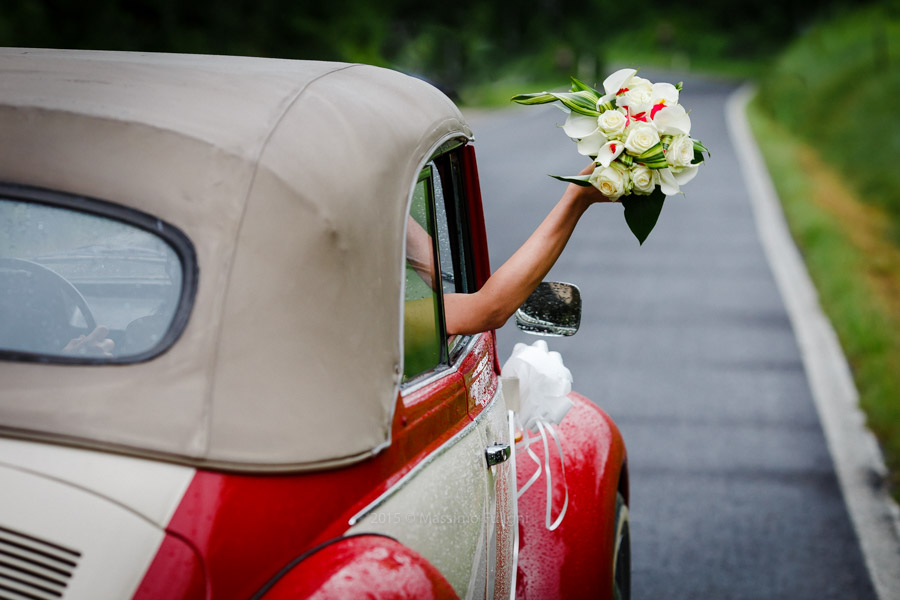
(292, 179)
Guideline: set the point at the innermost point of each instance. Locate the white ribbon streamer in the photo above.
(545, 428)
(536, 475)
(544, 386)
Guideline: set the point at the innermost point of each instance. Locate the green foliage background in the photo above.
(837, 87)
(454, 44)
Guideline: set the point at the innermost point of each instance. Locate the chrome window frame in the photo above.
(461, 346)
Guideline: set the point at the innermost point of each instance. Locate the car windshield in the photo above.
(74, 284)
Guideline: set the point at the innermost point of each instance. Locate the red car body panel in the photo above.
(177, 571)
(364, 566)
(574, 560)
(475, 210)
(476, 217)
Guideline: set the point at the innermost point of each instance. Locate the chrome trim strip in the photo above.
(416, 469)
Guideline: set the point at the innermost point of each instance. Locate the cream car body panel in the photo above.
(149, 488)
(431, 508)
(57, 538)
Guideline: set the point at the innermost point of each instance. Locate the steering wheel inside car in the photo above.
(36, 308)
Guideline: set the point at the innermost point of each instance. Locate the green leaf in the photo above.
(593, 94)
(602, 108)
(577, 85)
(581, 102)
(653, 158)
(539, 98)
(642, 212)
(699, 149)
(582, 180)
(580, 86)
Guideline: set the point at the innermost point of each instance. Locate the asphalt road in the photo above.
(686, 343)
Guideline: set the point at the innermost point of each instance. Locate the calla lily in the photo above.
(585, 130)
(609, 152)
(668, 185)
(685, 174)
(618, 80)
(591, 145)
(666, 93)
(672, 120)
(580, 126)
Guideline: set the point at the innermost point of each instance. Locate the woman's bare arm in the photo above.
(510, 285)
(419, 252)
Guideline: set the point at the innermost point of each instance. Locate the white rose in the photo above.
(643, 179)
(680, 152)
(640, 91)
(641, 138)
(610, 181)
(612, 122)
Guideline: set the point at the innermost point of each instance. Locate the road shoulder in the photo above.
(857, 458)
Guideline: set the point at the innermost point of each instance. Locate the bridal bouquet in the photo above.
(639, 138)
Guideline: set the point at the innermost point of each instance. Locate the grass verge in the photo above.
(848, 248)
(836, 87)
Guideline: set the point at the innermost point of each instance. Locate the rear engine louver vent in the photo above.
(33, 569)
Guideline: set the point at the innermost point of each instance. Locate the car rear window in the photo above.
(85, 281)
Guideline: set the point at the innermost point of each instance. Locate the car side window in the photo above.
(436, 253)
(422, 339)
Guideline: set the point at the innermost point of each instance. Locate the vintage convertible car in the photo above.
(221, 376)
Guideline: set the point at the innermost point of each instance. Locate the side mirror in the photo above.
(553, 309)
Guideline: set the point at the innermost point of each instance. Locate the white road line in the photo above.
(857, 458)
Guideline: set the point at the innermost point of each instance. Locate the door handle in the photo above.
(497, 453)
